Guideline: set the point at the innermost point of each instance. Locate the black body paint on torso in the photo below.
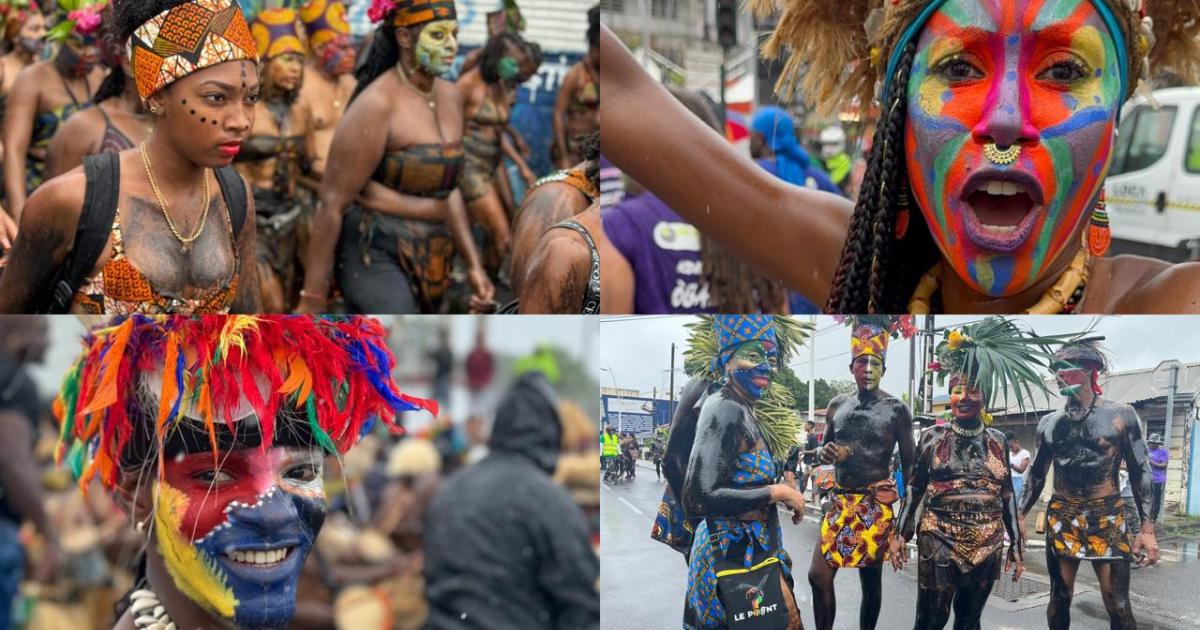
(1087, 455)
(211, 263)
(870, 424)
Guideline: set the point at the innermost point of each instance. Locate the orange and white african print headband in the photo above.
(190, 37)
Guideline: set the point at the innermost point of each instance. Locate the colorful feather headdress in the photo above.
(776, 410)
(334, 373)
(996, 355)
(839, 52)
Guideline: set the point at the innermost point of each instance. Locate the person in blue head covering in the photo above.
(774, 145)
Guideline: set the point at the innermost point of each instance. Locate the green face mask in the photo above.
(509, 69)
(436, 47)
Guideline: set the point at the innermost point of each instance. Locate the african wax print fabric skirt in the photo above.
(1088, 529)
(854, 531)
(954, 540)
(715, 536)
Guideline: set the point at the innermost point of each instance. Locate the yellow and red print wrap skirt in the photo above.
(855, 530)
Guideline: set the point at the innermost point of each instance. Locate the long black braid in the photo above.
(879, 270)
(382, 57)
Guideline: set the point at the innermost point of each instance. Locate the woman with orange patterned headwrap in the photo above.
(278, 156)
(400, 142)
(167, 227)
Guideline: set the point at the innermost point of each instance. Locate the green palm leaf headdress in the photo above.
(776, 410)
(997, 355)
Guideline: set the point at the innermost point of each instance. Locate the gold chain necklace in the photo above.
(166, 211)
(1054, 301)
(428, 96)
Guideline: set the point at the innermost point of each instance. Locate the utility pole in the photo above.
(671, 404)
(727, 37)
(812, 373)
(927, 394)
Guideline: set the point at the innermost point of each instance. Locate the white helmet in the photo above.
(833, 142)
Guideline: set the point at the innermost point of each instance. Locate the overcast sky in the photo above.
(512, 336)
(637, 350)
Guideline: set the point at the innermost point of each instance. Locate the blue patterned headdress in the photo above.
(735, 330)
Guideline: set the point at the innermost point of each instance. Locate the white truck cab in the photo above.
(1153, 186)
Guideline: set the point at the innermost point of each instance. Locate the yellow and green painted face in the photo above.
(868, 371)
(437, 46)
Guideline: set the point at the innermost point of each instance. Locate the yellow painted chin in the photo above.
(195, 574)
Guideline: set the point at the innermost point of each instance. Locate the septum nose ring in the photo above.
(1001, 156)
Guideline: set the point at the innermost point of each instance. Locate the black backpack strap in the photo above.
(233, 188)
(103, 175)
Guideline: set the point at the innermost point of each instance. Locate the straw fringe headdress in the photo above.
(858, 36)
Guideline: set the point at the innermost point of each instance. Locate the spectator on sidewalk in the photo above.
(1018, 461)
(1158, 474)
(809, 455)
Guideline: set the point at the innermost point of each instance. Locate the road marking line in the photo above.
(631, 506)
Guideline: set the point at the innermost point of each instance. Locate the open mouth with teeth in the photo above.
(1001, 209)
(268, 558)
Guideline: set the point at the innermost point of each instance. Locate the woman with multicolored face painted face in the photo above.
(489, 91)
(329, 75)
(167, 227)
(962, 480)
(983, 191)
(46, 95)
(211, 433)
(393, 196)
(278, 157)
(729, 493)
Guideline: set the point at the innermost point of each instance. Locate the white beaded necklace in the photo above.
(148, 611)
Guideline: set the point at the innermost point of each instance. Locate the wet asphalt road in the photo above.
(643, 581)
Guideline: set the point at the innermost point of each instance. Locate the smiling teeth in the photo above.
(1002, 188)
(259, 557)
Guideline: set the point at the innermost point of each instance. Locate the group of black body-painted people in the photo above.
(374, 173)
(960, 503)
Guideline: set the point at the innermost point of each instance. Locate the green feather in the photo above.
(322, 437)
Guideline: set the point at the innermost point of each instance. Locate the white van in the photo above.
(1153, 187)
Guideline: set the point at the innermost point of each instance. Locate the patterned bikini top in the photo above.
(488, 114)
(587, 97)
(120, 288)
(422, 170)
(114, 141)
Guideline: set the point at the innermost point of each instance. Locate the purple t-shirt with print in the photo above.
(664, 251)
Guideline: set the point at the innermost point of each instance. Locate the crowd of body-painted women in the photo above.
(374, 183)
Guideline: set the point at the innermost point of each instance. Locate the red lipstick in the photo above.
(230, 149)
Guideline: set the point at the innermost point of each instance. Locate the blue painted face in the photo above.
(235, 538)
(752, 367)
